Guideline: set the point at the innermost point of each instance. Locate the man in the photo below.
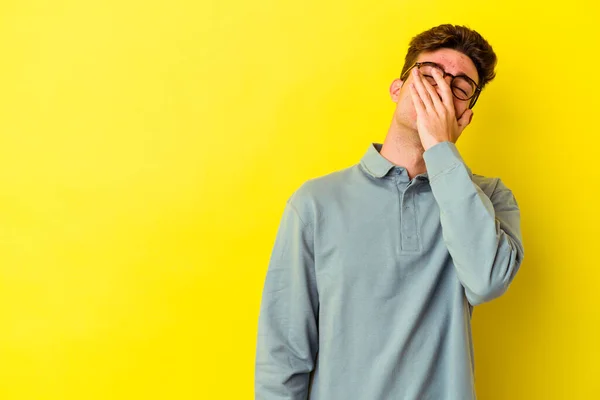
(376, 268)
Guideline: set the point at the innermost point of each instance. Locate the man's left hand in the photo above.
(436, 118)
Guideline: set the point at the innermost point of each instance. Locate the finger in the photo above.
(438, 104)
(416, 99)
(464, 120)
(445, 89)
(422, 92)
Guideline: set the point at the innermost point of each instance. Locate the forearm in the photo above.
(483, 236)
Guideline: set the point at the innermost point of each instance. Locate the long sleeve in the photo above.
(287, 329)
(482, 233)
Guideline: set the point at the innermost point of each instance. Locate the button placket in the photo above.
(409, 228)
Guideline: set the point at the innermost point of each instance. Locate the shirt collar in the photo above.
(377, 165)
(374, 163)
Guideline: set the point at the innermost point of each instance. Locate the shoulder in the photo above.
(315, 194)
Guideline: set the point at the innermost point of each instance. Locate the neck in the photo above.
(402, 147)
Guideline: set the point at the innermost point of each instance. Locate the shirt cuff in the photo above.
(441, 158)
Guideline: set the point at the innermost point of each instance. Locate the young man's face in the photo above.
(453, 62)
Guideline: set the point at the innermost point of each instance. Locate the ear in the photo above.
(395, 89)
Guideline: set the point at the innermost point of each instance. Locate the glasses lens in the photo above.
(427, 72)
(463, 88)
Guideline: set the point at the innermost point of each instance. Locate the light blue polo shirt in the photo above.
(373, 276)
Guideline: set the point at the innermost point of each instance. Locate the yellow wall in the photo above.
(147, 149)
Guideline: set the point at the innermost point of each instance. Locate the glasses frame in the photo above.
(473, 98)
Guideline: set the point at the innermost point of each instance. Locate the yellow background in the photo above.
(147, 149)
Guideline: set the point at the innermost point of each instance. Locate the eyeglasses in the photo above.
(463, 87)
